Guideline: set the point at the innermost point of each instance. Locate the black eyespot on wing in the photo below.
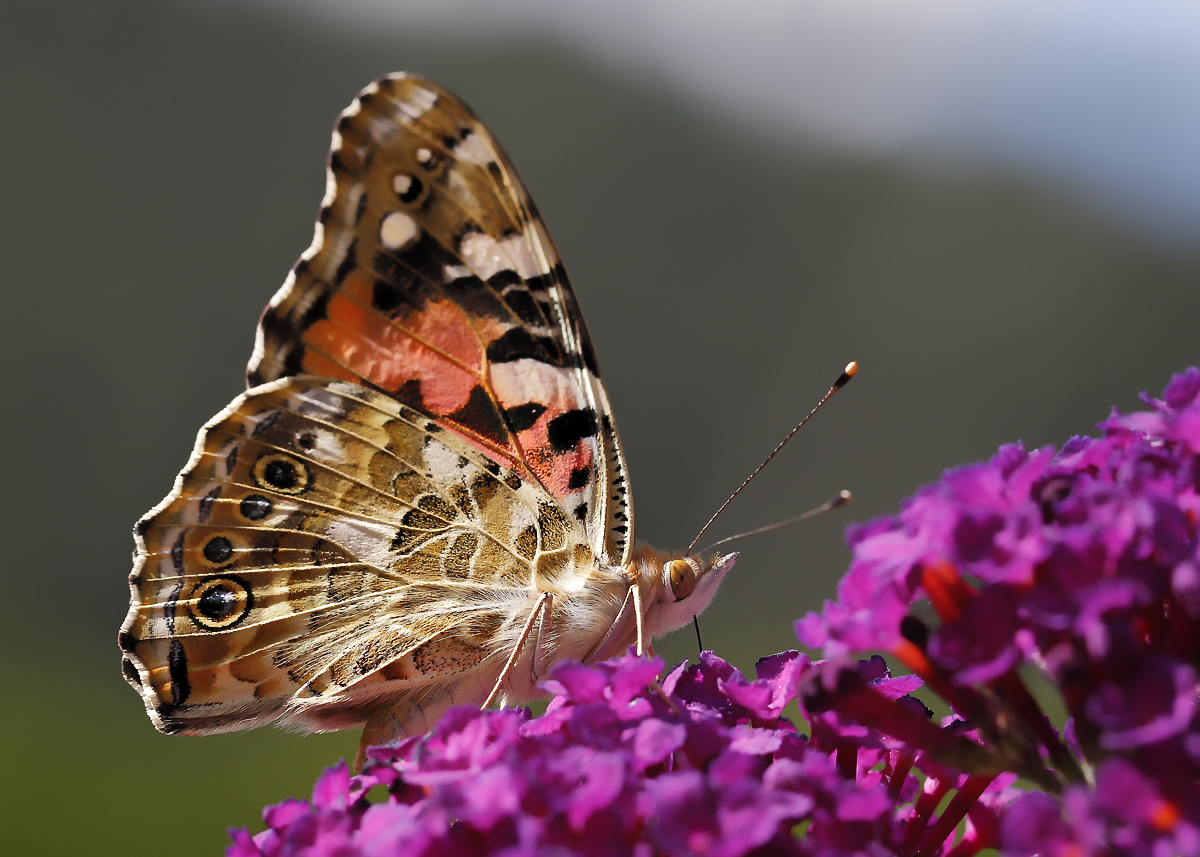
(282, 475)
(217, 603)
(220, 602)
(279, 472)
(218, 550)
(579, 477)
(255, 507)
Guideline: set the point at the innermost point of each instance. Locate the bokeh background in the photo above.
(993, 209)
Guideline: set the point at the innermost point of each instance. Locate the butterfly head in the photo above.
(682, 586)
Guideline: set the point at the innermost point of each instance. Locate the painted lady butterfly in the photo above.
(422, 500)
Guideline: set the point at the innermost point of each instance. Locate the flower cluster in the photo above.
(702, 764)
(1083, 563)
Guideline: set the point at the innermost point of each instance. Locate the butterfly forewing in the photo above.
(432, 278)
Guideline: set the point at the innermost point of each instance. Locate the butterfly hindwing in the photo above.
(431, 278)
(327, 548)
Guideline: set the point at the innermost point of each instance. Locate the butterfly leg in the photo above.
(541, 650)
(639, 618)
(542, 604)
(642, 648)
(617, 622)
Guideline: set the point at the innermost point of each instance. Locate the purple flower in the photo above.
(1083, 563)
(707, 765)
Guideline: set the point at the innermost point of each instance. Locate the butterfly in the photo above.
(421, 500)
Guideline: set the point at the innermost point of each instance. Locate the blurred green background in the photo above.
(162, 167)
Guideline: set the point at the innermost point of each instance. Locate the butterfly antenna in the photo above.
(849, 372)
(837, 502)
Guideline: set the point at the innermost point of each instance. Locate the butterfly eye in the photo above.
(683, 578)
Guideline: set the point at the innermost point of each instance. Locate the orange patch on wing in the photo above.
(554, 471)
(384, 354)
(316, 363)
(439, 323)
(388, 354)
(444, 326)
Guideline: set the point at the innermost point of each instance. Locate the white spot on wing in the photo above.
(326, 448)
(541, 256)
(483, 255)
(425, 158)
(516, 248)
(401, 183)
(475, 149)
(397, 231)
(423, 99)
(443, 463)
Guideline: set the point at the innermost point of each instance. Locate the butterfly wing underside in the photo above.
(427, 444)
